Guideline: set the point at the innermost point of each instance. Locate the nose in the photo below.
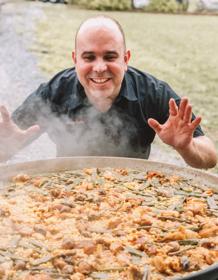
(99, 66)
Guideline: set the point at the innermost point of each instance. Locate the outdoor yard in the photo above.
(180, 49)
(92, 218)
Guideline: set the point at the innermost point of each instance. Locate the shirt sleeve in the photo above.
(34, 110)
(165, 92)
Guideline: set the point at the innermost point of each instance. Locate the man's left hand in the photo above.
(178, 130)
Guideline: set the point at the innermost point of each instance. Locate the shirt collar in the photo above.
(78, 95)
(127, 90)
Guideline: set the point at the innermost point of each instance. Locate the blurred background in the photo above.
(174, 40)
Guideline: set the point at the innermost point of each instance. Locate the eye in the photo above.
(110, 57)
(89, 58)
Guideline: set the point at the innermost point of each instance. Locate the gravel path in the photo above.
(19, 74)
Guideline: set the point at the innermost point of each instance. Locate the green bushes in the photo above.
(73, 2)
(166, 6)
(112, 5)
(158, 6)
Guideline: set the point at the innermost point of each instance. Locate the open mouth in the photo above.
(99, 80)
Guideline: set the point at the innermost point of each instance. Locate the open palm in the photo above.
(12, 138)
(178, 130)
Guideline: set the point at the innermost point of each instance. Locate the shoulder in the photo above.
(142, 76)
(62, 80)
(50, 96)
(65, 75)
(62, 84)
(152, 94)
(148, 86)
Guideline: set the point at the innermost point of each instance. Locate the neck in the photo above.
(101, 105)
(101, 101)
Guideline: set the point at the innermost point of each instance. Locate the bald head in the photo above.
(98, 22)
(101, 60)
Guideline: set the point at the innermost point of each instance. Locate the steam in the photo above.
(90, 132)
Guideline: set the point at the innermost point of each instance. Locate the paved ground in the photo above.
(19, 74)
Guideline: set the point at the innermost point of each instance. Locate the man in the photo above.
(104, 107)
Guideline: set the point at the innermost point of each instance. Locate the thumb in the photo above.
(155, 125)
(32, 131)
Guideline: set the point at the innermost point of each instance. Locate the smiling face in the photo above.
(101, 61)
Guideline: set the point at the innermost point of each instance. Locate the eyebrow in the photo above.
(85, 53)
(93, 53)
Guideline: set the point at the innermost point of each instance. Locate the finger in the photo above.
(182, 107)
(5, 114)
(188, 114)
(32, 131)
(155, 125)
(195, 122)
(173, 108)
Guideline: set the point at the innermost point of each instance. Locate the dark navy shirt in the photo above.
(62, 110)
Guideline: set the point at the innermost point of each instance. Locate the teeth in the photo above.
(99, 80)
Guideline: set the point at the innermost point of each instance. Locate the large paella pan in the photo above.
(107, 218)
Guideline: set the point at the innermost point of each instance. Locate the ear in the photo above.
(74, 57)
(127, 57)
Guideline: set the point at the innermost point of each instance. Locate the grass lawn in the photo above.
(180, 49)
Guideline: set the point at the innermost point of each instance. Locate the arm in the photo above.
(12, 138)
(200, 153)
(178, 131)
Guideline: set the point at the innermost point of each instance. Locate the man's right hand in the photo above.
(12, 138)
